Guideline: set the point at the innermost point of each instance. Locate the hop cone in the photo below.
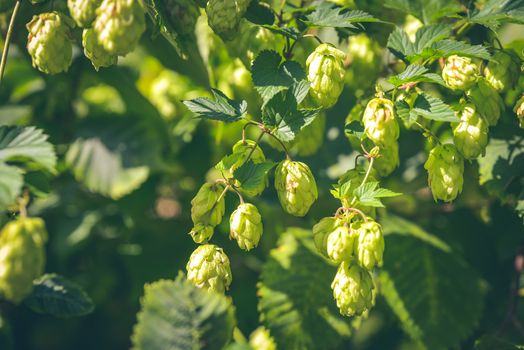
(246, 226)
(49, 42)
(487, 100)
(208, 268)
(224, 16)
(22, 257)
(261, 339)
(519, 111)
(388, 160)
(325, 67)
(119, 25)
(340, 243)
(370, 247)
(202, 233)
(296, 187)
(445, 168)
(459, 72)
(471, 134)
(83, 11)
(380, 124)
(353, 289)
(321, 232)
(207, 209)
(503, 71)
(182, 15)
(95, 52)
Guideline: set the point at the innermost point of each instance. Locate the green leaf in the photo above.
(11, 182)
(28, 145)
(426, 10)
(289, 32)
(259, 13)
(428, 35)
(228, 161)
(369, 194)
(221, 108)
(415, 73)
(495, 12)
(54, 295)
(251, 176)
(433, 108)
(296, 302)
(354, 128)
(329, 15)
(177, 315)
(448, 47)
(399, 44)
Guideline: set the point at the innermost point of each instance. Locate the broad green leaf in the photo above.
(400, 44)
(329, 15)
(177, 315)
(496, 12)
(428, 35)
(433, 108)
(369, 194)
(28, 145)
(296, 302)
(259, 13)
(415, 73)
(11, 182)
(251, 176)
(448, 47)
(221, 108)
(54, 295)
(228, 161)
(426, 10)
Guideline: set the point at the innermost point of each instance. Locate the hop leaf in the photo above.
(502, 71)
(445, 168)
(353, 289)
(208, 268)
(296, 187)
(96, 53)
(370, 247)
(224, 16)
(83, 11)
(471, 134)
(459, 72)
(380, 124)
(246, 226)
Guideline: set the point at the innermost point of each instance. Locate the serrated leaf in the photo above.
(495, 12)
(177, 315)
(289, 32)
(369, 194)
(251, 176)
(354, 128)
(428, 35)
(228, 161)
(221, 108)
(329, 15)
(433, 108)
(259, 13)
(54, 295)
(426, 10)
(448, 47)
(400, 44)
(27, 145)
(410, 74)
(11, 182)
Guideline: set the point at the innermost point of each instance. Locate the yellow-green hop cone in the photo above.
(22, 257)
(208, 206)
(388, 160)
(246, 226)
(459, 72)
(471, 134)
(340, 243)
(202, 233)
(380, 124)
(243, 149)
(353, 289)
(503, 70)
(487, 100)
(325, 72)
(49, 42)
(310, 138)
(208, 268)
(119, 25)
(96, 53)
(519, 111)
(370, 247)
(296, 187)
(83, 12)
(445, 168)
(224, 16)
(321, 232)
(261, 339)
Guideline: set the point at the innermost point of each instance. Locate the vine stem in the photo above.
(428, 131)
(368, 172)
(254, 147)
(288, 157)
(8, 39)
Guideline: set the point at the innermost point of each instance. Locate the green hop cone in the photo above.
(503, 70)
(445, 168)
(388, 160)
(246, 226)
(380, 124)
(471, 134)
(321, 232)
(365, 59)
(96, 53)
(261, 339)
(224, 16)
(182, 15)
(202, 233)
(460, 73)
(49, 42)
(325, 72)
(119, 25)
(340, 243)
(487, 100)
(353, 289)
(83, 12)
(208, 268)
(370, 247)
(519, 110)
(296, 187)
(22, 257)
(207, 207)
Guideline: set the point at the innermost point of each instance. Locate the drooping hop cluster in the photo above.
(325, 72)
(119, 24)
(22, 257)
(83, 12)
(49, 42)
(96, 53)
(208, 268)
(246, 226)
(487, 100)
(502, 71)
(519, 111)
(261, 339)
(445, 168)
(224, 16)
(460, 73)
(296, 187)
(207, 210)
(353, 289)
(471, 134)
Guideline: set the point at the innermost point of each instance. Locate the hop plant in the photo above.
(353, 289)
(207, 209)
(182, 15)
(445, 168)
(246, 226)
(83, 12)
(471, 134)
(340, 243)
(388, 160)
(380, 124)
(460, 73)
(370, 246)
(325, 72)
(310, 138)
(487, 100)
(519, 111)
(202, 233)
(353, 178)
(22, 257)
(502, 71)
(245, 149)
(224, 16)
(96, 53)
(321, 232)
(119, 25)
(261, 339)
(208, 268)
(296, 187)
(49, 42)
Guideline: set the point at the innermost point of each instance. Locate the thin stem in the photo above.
(288, 157)
(368, 171)
(428, 131)
(358, 211)
(244, 128)
(238, 193)
(254, 147)
(7, 40)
